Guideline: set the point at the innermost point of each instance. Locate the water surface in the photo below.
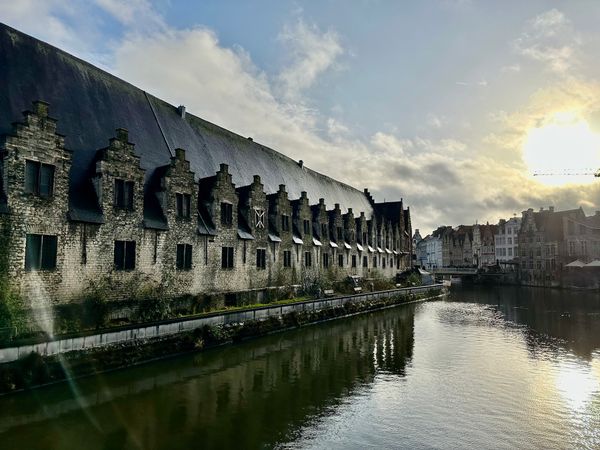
(487, 368)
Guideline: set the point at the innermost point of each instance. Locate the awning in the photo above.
(388, 251)
(379, 250)
(347, 246)
(371, 249)
(359, 247)
(576, 263)
(245, 235)
(394, 252)
(333, 244)
(317, 242)
(297, 240)
(274, 238)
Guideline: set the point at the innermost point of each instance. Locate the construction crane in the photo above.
(590, 172)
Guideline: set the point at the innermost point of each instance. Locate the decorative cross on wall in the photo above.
(260, 218)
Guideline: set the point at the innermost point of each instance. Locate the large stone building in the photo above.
(168, 198)
(483, 247)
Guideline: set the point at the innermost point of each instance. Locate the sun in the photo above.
(565, 143)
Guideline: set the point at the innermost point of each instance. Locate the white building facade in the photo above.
(507, 239)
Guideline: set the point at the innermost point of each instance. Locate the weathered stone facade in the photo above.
(192, 237)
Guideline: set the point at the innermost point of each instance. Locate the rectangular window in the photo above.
(184, 203)
(287, 258)
(307, 227)
(40, 252)
(39, 178)
(374, 261)
(323, 231)
(353, 261)
(383, 263)
(308, 259)
(340, 233)
(124, 255)
(365, 261)
(325, 260)
(364, 238)
(226, 214)
(261, 258)
(226, 257)
(184, 257)
(285, 223)
(124, 194)
(341, 260)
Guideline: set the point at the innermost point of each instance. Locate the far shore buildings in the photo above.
(507, 240)
(167, 199)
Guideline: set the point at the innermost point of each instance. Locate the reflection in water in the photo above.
(490, 368)
(252, 395)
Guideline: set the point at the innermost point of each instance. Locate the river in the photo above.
(508, 367)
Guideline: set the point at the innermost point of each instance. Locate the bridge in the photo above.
(457, 271)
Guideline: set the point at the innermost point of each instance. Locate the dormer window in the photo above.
(184, 202)
(124, 194)
(307, 227)
(323, 230)
(226, 213)
(39, 179)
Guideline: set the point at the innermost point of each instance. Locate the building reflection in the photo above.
(555, 319)
(253, 395)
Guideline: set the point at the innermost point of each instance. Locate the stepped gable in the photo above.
(90, 104)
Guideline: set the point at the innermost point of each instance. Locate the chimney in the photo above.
(551, 208)
(223, 168)
(122, 135)
(180, 154)
(336, 206)
(301, 163)
(256, 179)
(303, 194)
(541, 208)
(349, 210)
(282, 188)
(250, 139)
(321, 201)
(181, 111)
(41, 108)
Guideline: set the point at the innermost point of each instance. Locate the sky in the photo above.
(451, 105)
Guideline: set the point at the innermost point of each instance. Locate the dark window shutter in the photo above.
(224, 257)
(32, 172)
(180, 256)
(179, 200)
(188, 257)
(49, 252)
(32, 251)
(119, 255)
(130, 255)
(230, 249)
(46, 180)
(187, 207)
(129, 194)
(119, 193)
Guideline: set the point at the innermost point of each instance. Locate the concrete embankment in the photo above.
(30, 364)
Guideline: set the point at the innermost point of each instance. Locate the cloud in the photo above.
(550, 39)
(311, 53)
(444, 180)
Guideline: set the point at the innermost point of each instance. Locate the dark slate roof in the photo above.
(552, 222)
(90, 104)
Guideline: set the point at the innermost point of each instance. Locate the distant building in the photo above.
(549, 240)
(507, 240)
(484, 253)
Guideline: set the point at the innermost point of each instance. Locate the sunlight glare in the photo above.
(565, 143)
